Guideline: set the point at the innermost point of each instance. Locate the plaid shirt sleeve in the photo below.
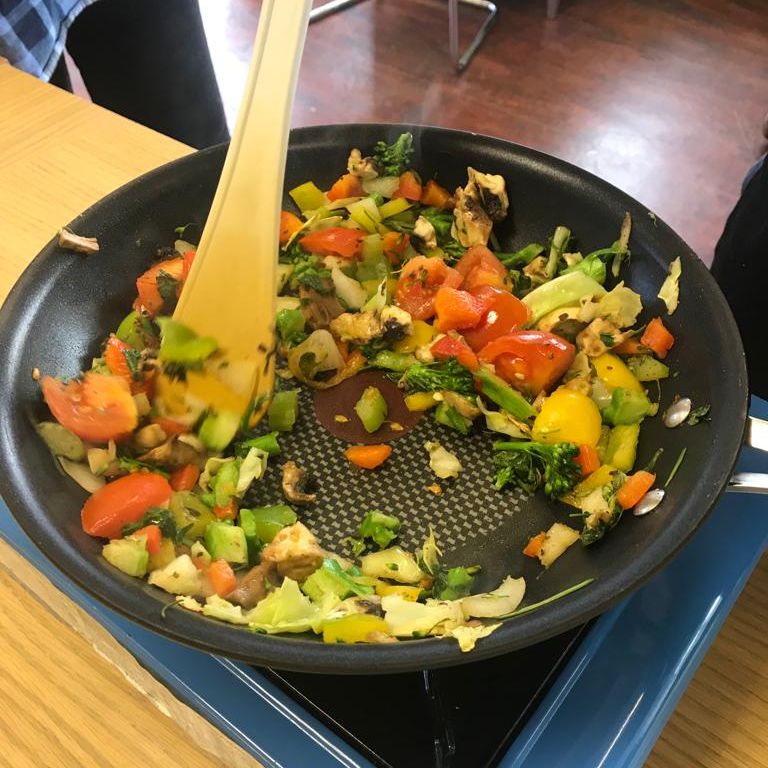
(33, 32)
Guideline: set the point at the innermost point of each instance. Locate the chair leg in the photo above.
(553, 6)
(332, 6)
(461, 60)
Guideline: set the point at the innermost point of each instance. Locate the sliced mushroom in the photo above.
(293, 477)
(319, 309)
(77, 243)
(173, 453)
(255, 585)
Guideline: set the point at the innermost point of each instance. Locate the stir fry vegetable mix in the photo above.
(383, 270)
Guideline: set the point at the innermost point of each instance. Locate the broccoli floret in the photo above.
(433, 377)
(528, 465)
(310, 273)
(393, 159)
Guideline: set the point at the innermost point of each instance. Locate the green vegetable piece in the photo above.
(454, 583)
(225, 541)
(283, 410)
(136, 331)
(435, 377)
(448, 416)
(396, 207)
(398, 362)
(290, 325)
(224, 483)
(267, 443)
(191, 515)
(182, 345)
(331, 579)
(268, 521)
(127, 555)
(371, 409)
(522, 257)
(647, 368)
(218, 429)
(592, 265)
(496, 389)
(562, 291)
(528, 465)
(61, 441)
(247, 521)
(307, 196)
(557, 247)
(627, 407)
(393, 159)
(698, 415)
(393, 563)
(380, 528)
(373, 264)
(621, 450)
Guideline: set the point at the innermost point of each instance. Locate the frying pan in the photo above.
(64, 304)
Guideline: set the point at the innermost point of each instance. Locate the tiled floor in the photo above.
(664, 98)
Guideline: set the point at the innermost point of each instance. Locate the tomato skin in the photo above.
(149, 298)
(185, 478)
(448, 347)
(531, 361)
(334, 241)
(419, 282)
(123, 501)
(114, 357)
(98, 409)
(505, 313)
(479, 266)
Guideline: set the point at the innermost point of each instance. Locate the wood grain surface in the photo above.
(64, 703)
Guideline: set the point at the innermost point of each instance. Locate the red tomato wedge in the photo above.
(419, 283)
(189, 259)
(123, 501)
(153, 536)
(185, 478)
(479, 267)
(289, 224)
(114, 357)
(448, 346)
(99, 408)
(347, 186)
(530, 361)
(334, 241)
(504, 313)
(409, 187)
(457, 309)
(149, 297)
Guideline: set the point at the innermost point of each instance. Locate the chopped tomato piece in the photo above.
(436, 196)
(533, 547)
(631, 346)
(395, 244)
(189, 259)
(222, 577)
(419, 282)
(334, 241)
(588, 459)
(449, 346)
(99, 408)
(479, 267)
(634, 488)
(114, 357)
(409, 188)
(149, 298)
(154, 537)
(657, 337)
(504, 313)
(289, 225)
(347, 186)
(368, 456)
(185, 478)
(457, 309)
(530, 361)
(123, 501)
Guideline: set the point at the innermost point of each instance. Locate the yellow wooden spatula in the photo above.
(230, 291)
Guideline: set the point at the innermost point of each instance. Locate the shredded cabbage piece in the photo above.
(669, 292)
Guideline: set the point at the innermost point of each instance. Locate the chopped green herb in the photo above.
(676, 467)
(541, 603)
(699, 414)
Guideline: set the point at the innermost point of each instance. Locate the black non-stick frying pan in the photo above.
(64, 305)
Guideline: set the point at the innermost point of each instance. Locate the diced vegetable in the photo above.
(503, 395)
(371, 409)
(647, 368)
(222, 577)
(621, 450)
(556, 540)
(307, 196)
(408, 619)
(589, 459)
(348, 290)
(627, 407)
(283, 410)
(264, 523)
(347, 186)
(441, 461)
(182, 345)
(613, 372)
(563, 291)
(284, 609)
(393, 361)
(179, 577)
(368, 456)
(331, 579)
(227, 542)
(634, 488)
(448, 416)
(533, 547)
(61, 441)
(501, 601)
(127, 555)
(355, 628)
(394, 563)
(365, 213)
(420, 401)
(657, 337)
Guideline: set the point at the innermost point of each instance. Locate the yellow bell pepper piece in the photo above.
(411, 594)
(420, 401)
(567, 416)
(354, 628)
(613, 372)
(422, 334)
(215, 393)
(171, 392)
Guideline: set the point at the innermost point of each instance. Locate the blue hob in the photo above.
(596, 697)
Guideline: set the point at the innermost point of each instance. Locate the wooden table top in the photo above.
(72, 696)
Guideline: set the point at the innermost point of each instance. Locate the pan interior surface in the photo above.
(64, 305)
